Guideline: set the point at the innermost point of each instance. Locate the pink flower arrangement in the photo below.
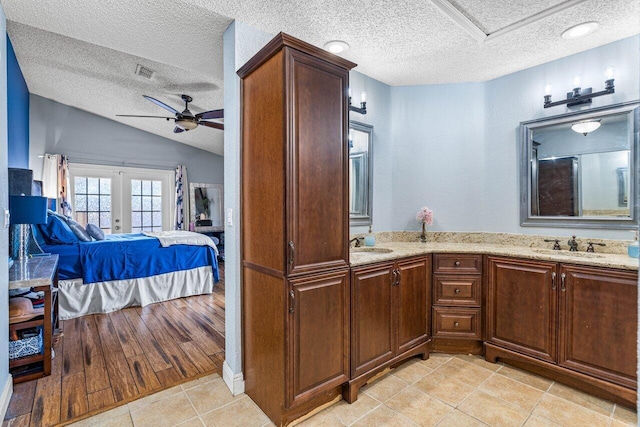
(425, 215)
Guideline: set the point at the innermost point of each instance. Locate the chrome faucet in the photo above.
(573, 245)
(358, 241)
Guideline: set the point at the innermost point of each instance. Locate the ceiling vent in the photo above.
(145, 72)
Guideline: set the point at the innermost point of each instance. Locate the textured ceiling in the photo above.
(84, 53)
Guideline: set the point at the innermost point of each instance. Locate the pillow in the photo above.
(95, 232)
(57, 231)
(79, 231)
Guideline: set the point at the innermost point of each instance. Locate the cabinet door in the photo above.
(317, 174)
(598, 323)
(522, 307)
(318, 330)
(373, 313)
(413, 301)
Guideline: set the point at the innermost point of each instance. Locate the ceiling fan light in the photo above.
(186, 124)
(585, 127)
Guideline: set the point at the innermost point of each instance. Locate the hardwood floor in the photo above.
(106, 360)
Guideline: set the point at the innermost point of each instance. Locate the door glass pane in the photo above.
(146, 205)
(92, 201)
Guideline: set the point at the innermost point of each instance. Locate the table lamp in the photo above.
(25, 210)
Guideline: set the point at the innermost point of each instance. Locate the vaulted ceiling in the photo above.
(85, 53)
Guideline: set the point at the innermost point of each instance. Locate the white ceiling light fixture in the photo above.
(585, 127)
(580, 30)
(336, 46)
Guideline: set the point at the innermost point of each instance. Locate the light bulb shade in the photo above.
(585, 127)
(186, 124)
(28, 209)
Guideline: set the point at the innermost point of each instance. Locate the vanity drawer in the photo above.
(457, 322)
(457, 290)
(457, 263)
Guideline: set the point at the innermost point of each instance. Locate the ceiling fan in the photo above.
(185, 120)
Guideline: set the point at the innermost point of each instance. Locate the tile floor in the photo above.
(443, 391)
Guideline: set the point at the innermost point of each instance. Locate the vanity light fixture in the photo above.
(363, 103)
(336, 46)
(579, 96)
(586, 126)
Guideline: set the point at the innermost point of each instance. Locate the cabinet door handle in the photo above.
(393, 277)
(553, 281)
(399, 277)
(457, 263)
(292, 297)
(563, 286)
(292, 252)
(457, 291)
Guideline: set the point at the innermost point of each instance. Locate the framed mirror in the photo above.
(206, 206)
(579, 169)
(360, 173)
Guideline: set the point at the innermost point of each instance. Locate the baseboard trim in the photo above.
(7, 391)
(235, 382)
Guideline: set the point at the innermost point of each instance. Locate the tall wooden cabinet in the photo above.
(295, 227)
(575, 323)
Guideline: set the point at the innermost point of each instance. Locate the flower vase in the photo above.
(423, 236)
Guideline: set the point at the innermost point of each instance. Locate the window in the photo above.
(122, 200)
(93, 201)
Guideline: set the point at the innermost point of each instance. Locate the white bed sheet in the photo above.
(76, 299)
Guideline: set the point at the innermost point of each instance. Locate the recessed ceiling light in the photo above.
(336, 46)
(580, 30)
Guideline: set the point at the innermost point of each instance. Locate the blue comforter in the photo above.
(128, 256)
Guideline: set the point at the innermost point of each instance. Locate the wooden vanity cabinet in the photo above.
(576, 324)
(295, 227)
(457, 303)
(390, 317)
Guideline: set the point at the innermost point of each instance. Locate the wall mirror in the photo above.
(578, 177)
(206, 207)
(360, 173)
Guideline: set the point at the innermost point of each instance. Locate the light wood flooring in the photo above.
(107, 360)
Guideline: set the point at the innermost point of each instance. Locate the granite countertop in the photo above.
(407, 249)
(33, 272)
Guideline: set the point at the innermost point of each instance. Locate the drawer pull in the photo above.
(456, 324)
(457, 291)
(457, 263)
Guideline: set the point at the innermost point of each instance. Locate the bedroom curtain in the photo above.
(182, 205)
(55, 181)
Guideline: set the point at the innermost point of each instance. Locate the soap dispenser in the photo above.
(370, 239)
(632, 249)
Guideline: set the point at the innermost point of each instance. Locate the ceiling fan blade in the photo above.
(177, 129)
(213, 114)
(134, 115)
(212, 125)
(161, 104)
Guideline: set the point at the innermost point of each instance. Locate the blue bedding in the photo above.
(128, 256)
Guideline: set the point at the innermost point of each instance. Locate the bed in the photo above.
(123, 270)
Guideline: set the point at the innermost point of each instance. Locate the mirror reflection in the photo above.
(206, 207)
(576, 169)
(360, 173)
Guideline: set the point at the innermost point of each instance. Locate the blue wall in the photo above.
(17, 112)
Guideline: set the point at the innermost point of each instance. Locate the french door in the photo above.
(122, 199)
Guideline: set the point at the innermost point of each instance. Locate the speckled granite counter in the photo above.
(33, 272)
(403, 249)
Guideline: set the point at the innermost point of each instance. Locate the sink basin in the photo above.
(371, 250)
(568, 254)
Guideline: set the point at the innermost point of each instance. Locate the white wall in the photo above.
(87, 138)
(240, 43)
(5, 379)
